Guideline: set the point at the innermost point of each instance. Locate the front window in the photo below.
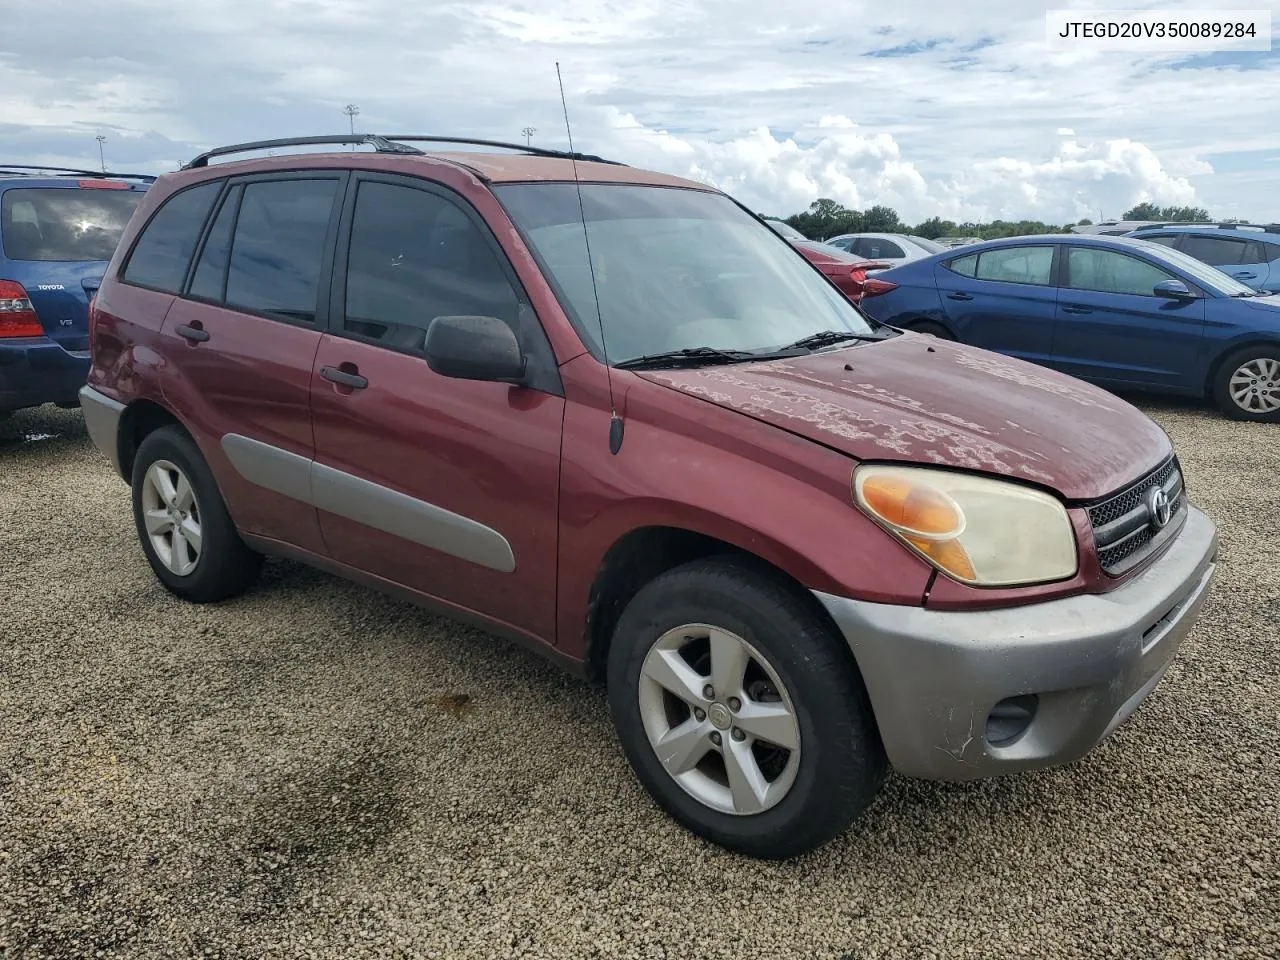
(64, 224)
(673, 269)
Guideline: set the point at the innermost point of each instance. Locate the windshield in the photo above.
(674, 269)
(1198, 270)
(927, 244)
(64, 224)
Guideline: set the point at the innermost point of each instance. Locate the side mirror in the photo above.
(1173, 290)
(474, 348)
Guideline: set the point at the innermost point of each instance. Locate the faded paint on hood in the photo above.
(916, 398)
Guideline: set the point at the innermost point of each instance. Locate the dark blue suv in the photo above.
(58, 229)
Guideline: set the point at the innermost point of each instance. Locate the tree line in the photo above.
(826, 218)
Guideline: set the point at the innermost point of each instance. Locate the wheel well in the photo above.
(1221, 358)
(643, 554)
(140, 419)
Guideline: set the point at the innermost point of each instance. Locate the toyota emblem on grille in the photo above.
(1159, 508)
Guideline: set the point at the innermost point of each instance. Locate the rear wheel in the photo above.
(741, 713)
(932, 329)
(1247, 385)
(182, 521)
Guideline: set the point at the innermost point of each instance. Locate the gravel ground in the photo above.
(314, 770)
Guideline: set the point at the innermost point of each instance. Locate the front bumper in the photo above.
(934, 677)
(36, 370)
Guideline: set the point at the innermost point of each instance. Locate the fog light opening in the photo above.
(1010, 718)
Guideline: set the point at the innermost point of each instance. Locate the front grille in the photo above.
(1124, 526)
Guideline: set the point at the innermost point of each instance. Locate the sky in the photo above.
(933, 107)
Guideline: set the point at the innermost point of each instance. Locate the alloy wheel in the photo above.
(719, 719)
(172, 517)
(1255, 386)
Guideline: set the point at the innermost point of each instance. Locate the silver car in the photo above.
(894, 248)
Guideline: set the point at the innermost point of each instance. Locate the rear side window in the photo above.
(1215, 251)
(415, 256)
(163, 252)
(1017, 265)
(277, 252)
(64, 224)
(875, 249)
(1164, 239)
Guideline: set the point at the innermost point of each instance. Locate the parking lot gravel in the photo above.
(314, 770)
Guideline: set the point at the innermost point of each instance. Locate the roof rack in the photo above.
(523, 148)
(1268, 227)
(390, 143)
(31, 170)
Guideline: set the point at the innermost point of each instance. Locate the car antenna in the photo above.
(615, 422)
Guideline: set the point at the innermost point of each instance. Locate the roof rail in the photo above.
(389, 143)
(31, 170)
(523, 148)
(380, 144)
(1187, 225)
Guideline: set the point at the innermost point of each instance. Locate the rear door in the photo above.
(241, 340)
(1002, 299)
(1112, 328)
(57, 241)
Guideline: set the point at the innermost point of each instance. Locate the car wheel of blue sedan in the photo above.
(1247, 385)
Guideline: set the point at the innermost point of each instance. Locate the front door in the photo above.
(446, 486)
(1112, 328)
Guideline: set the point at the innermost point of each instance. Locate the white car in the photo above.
(893, 248)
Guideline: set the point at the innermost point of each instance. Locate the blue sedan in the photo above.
(1120, 312)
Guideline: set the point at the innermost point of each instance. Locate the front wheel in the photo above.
(1247, 385)
(740, 711)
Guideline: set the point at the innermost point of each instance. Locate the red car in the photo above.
(848, 271)
(609, 414)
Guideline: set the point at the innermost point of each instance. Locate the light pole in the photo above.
(102, 159)
(351, 110)
(528, 135)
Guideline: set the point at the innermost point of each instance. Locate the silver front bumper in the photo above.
(934, 677)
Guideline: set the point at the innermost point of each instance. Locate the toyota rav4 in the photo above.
(611, 414)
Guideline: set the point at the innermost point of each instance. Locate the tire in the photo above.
(1256, 368)
(221, 566)
(811, 794)
(932, 329)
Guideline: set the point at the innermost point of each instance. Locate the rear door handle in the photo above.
(1076, 310)
(1243, 275)
(959, 296)
(353, 380)
(192, 333)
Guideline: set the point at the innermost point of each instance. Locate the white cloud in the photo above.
(931, 108)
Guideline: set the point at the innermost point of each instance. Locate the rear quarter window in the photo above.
(965, 266)
(163, 252)
(64, 224)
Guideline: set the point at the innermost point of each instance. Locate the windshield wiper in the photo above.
(688, 356)
(828, 337)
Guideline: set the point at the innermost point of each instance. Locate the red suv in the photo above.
(611, 414)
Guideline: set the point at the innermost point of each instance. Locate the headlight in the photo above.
(976, 530)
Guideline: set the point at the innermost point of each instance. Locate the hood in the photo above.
(918, 399)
